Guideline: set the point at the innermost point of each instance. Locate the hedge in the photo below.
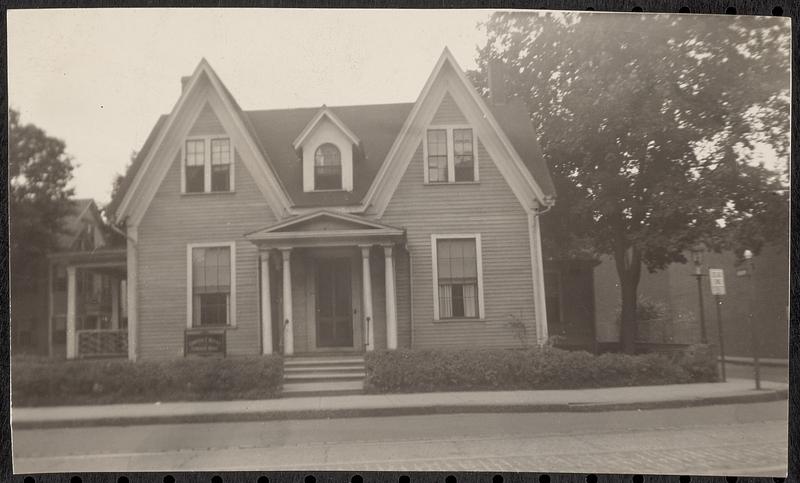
(546, 368)
(45, 382)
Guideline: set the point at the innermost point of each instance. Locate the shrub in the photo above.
(46, 382)
(407, 370)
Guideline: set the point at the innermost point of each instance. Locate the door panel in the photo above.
(334, 303)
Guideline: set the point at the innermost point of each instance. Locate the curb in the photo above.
(763, 396)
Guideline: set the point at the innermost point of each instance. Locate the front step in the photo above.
(327, 375)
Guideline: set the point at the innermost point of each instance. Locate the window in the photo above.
(195, 166)
(463, 157)
(327, 168)
(208, 165)
(457, 276)
(211, 286)
(437, 156)
(59, 279)
(446, 165)
(220, 165)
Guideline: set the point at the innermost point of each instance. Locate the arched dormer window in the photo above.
(328, 168)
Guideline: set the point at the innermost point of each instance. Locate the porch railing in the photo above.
(102, 343)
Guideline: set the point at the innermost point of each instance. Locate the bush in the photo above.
(46, 382)
(407, 370)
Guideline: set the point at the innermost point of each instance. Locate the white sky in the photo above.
(99, 78)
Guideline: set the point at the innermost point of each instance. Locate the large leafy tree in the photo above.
(39, 197)
(650, 125)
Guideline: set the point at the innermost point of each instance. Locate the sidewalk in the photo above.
(604, 399)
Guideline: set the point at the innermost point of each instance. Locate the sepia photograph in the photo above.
(398, 240)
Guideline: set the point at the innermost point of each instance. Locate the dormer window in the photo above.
(328, 168)
(450, 156)
(325, 147)
(208, 165)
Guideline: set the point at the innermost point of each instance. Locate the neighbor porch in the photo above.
(87, 304)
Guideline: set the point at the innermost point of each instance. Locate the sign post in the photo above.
(747, 271)
(716, 277)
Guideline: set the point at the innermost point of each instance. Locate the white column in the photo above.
(132, 300)
(288, 331)
(71, 307)
(266, 306)
(366, 283)
(391, 299)
(114, 303)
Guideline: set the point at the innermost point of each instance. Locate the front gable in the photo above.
(449, 99)
(204, 109)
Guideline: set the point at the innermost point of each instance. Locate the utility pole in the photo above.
(748, 255)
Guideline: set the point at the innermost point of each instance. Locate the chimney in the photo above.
(497, 81)
(184, 82)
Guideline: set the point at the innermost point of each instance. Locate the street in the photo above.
(740, 440)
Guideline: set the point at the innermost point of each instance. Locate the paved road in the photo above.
(746, 439)
(768, 373)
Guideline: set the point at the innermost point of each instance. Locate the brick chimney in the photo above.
(497, 81)
(184, 82)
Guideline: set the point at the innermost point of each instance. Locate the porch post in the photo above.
(366, 283)
(391, 302)
(266, 306)
(71, 308)
(114, 303)
(288, 332)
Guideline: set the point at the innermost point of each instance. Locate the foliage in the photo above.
(647, 309)
(650, 125)
(118, 188)
(39, 171)
(407, 370)
(47, 382)
(518, 328)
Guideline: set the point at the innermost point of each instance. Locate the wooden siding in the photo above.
(207, 123)
(489, 208)
(448, 112)
(173, 221)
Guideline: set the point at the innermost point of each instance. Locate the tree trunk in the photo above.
(629, 266)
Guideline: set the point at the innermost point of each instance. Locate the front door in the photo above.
(334, 303)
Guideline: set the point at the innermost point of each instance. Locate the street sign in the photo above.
(717, 278)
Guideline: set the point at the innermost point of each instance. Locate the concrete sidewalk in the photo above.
(603, 399)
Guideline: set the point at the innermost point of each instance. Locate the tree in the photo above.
(649, 124)
(39, 199)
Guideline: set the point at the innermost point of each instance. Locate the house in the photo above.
(331, 230)
(674, 290)
(40, 328)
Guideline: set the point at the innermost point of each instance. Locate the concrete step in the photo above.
(327, 361)
(324, 377)
(339, 388)
(323, 368)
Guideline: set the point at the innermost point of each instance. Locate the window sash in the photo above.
(195, 152)
(220, 152)
(463, 153)
(450, 155)
(221, 177)
(457, 273)
(211, 281)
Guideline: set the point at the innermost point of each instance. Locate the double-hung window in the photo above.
(220, 165)
(327, 168)
(450, 155)
(212, 286)
(195, 165)
(208, 165)
(457, 277)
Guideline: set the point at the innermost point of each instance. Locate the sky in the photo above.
(100, 78)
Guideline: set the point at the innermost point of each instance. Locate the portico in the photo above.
(319, 274)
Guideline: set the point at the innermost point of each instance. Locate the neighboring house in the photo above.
(333, 229)
(33, 308)
(674, 290)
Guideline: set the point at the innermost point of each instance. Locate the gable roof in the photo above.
(323, 113)
(377, 126)
(73, 222)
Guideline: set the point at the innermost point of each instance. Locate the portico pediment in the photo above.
(325, 228)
